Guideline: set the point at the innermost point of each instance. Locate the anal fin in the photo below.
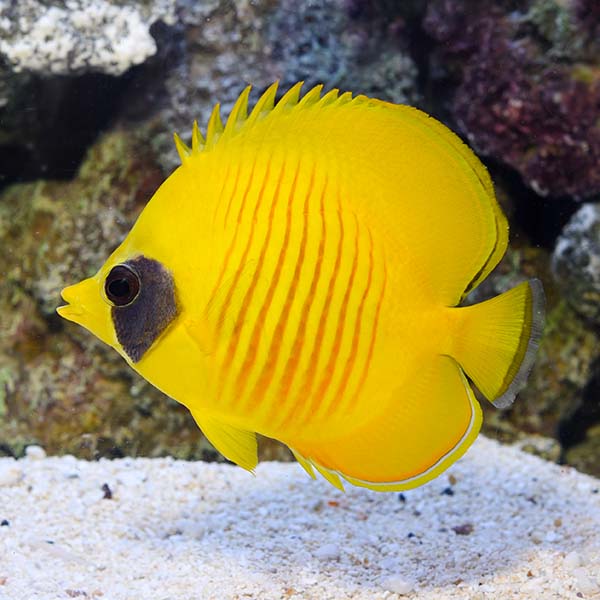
(237, 445)
(309, 466)
(305, 464)
(332, 477)
(427, 424)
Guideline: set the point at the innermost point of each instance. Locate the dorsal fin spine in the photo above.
(329, 97)
(239, 112)
(197, 139)
(184, 151)
(312, 96)
(214, 128)
(265, 103)
(290, 98)
(345, 98)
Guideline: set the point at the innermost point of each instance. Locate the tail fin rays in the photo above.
(497, 340)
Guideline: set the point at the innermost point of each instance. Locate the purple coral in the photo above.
(515, 101)
(588, 15)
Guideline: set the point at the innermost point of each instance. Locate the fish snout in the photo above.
(77, 297)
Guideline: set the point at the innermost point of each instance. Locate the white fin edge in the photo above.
(538, 304)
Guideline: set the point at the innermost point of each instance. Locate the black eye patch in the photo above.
(143, 294)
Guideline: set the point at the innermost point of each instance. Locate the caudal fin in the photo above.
(496, 341)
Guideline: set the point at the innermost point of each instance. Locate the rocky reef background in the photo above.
(91, 91)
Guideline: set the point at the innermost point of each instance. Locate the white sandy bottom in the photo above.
(508, 526)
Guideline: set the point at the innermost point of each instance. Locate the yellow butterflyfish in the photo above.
(300, 276)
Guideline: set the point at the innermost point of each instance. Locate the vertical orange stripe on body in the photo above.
(217, 285)
(233, 192)
(220, 320)
(355, 338)
(304, 394)
(273, 353)
(339, 332)
(259, 325)
(224, 181)
(239, 321)
(294, 358)
(365, 371)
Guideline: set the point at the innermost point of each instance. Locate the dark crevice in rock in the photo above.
(54, 323)
(540, 219)
(13, 161)
(572, 430)
(6, 450)
(148, 89)
(48, 123)
(543, 219)
(63, 118)
(404, 22)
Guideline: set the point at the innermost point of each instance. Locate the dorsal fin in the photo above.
(345, 98)
(312, 96)
(329, 97)
(239, 119)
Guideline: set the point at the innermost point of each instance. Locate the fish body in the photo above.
(300, 276)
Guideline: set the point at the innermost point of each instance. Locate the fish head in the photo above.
(128, 304)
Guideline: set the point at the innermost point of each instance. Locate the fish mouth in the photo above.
(84, 306)
(73, 310)
(70, 312)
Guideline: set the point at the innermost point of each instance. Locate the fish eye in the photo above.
(122, 285)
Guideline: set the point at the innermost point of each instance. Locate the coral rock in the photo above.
(79, 36)
(576, 262)
(528, 89)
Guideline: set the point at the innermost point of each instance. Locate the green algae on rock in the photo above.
(584, 455)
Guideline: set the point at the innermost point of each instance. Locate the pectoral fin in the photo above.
(237, 445)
